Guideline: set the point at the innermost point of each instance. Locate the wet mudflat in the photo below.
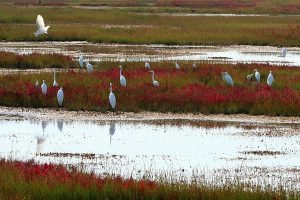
(256, 153)
(154, 53)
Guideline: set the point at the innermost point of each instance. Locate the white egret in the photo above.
(37, 84)
(147, 65)
(194, 66)
(270, 79)
(60, 96)
(177, 65)
(80, 60)
(249, 77)
(89, 67)
(257, 75)
(154, 82)
(283, 52)
(44, 87)
(122, 78)
(112, 129)
(112, 97)
(41, 28)
(227, 78)
(54, 81)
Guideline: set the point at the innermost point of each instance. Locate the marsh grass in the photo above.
(35, 61)
(28, 180)
(186, 90)
(69, 24)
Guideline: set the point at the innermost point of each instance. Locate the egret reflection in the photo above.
(112, 129)
(60, 125)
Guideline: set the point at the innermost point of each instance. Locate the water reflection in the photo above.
(60, 125)
(112, 129)
(161, 145)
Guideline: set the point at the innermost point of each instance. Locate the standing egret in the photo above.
(37, 84)
(54, 81)
(89, 67)
(154, 82)
(194, 66)
(177, 65)
(270, 79)
(60, 96)
(41, 29)
(112, 97)
(283, 52)
(44, 87)
(147, 65)
(80, 60)
(122, 78)
(227, 78)
(257, 75)
(249, 77)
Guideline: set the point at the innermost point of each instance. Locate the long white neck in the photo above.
(110, 89)
(153, 77)
(121, 71)
(54, 76)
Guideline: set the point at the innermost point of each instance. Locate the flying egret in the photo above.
(270, 79)
(80, 60)
(227, 78)
(60, 96)
(147, 65)
(112, 97)
(154, 82)
(249, 77)
(89, 67)
(44, 87)
(122, 78)
(37, 84)
(54, 81)
(41, 29)
(257, 75)
(283, 52)
(177, 65)
(194, 66)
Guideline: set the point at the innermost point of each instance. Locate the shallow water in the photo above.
(152, 53)
(256, 153)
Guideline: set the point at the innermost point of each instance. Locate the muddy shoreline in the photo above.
(8, 113)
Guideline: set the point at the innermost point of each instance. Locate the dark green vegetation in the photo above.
(185, 90)
(35, 61)
(124, 26)
(27, 180)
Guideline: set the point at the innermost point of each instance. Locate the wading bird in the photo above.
(249, 77)
(177, 65)
(122, 78)
(54, 81)
(112, 97)
(227, 78)
(154, 82)
(89, 67)
(37, 84)
(283, 52)
(257, 75)
(194, 66)
(147, 65)
(41, 29)
(44, 87)
(270, 79)
(60, 96)
(80, 60)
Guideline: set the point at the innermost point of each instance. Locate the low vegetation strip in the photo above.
(29, 180)
(201, 90)
(35, 61)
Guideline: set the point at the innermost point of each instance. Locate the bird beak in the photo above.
(120, 66)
